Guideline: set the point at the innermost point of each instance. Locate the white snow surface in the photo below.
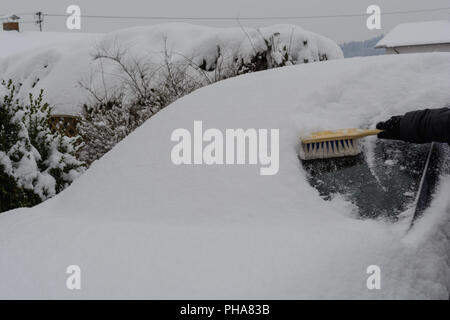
(142, 227)
(417, 33)
(13, 42)
(58, 62)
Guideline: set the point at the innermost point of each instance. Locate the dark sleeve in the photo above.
(425, 126)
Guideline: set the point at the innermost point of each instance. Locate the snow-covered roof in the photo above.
(12, 17)
(417, 33)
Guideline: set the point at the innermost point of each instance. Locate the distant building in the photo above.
(430, 36)
(10, 22)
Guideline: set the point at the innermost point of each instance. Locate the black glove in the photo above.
(391, 128)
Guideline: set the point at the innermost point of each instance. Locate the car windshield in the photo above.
(381, 183)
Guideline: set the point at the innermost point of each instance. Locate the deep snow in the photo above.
(57, 62)
(13, 42)
(141, 227)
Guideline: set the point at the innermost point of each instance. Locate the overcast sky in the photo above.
(338, 29)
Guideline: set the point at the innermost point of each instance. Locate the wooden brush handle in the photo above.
(343, 134)
(370, 132)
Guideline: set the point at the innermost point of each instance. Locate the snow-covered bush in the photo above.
(35, 163)
(58, 67)
(128, 86)
(144, 90)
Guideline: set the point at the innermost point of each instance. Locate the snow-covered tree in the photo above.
(35, 163)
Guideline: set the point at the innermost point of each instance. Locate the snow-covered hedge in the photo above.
(131, 84)
(58, 65)
(118, 80)
(35, 163)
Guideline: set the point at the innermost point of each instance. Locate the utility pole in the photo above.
(39, 19)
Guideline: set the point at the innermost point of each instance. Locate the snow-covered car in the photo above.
(139, 226)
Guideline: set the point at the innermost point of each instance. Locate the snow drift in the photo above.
(57, 62)
(141, 227)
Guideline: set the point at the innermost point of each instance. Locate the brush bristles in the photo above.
(330, 149)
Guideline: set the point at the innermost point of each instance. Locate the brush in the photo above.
(333, 144)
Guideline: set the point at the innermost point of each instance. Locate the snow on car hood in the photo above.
(140, 227)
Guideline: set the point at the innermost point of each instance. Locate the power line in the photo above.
(244, 18)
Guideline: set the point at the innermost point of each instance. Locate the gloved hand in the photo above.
(391, 128)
